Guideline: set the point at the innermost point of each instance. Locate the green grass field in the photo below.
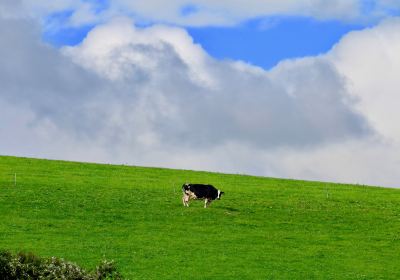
(261, 229)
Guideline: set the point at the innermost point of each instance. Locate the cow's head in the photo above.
(220, 193)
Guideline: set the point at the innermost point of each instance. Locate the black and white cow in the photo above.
(200, 191)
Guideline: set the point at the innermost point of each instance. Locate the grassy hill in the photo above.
(261, 229)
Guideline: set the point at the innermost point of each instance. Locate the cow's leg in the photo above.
(205, 203)
(185, 200)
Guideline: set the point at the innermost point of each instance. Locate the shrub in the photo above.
(6, 267)
(27, 266)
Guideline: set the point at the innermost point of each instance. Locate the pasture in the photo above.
(263, 228)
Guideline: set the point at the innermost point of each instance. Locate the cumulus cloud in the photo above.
(204, 102)
(371, 61)
(151, 96)
(37, 76)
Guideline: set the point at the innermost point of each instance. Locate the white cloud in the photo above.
(152, 97)
(367, 161)
(108, 50)
(201, 12)
(370, 62)
(370, 59)
(240, 100)
(225, 12)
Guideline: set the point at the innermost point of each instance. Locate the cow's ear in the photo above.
(222, 193)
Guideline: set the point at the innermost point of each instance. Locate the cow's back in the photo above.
(203, 191)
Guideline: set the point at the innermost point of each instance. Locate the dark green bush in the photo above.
(5, 265)
(27, 266)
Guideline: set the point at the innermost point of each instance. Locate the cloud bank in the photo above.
(198, 12)
(150, 96)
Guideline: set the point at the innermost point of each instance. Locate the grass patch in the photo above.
(262, 228)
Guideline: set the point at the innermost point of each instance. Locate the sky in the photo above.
(304, 89)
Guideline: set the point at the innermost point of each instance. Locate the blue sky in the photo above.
(262, 41)
(266, 41)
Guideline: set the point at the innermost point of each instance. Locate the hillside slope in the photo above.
(261, 229)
